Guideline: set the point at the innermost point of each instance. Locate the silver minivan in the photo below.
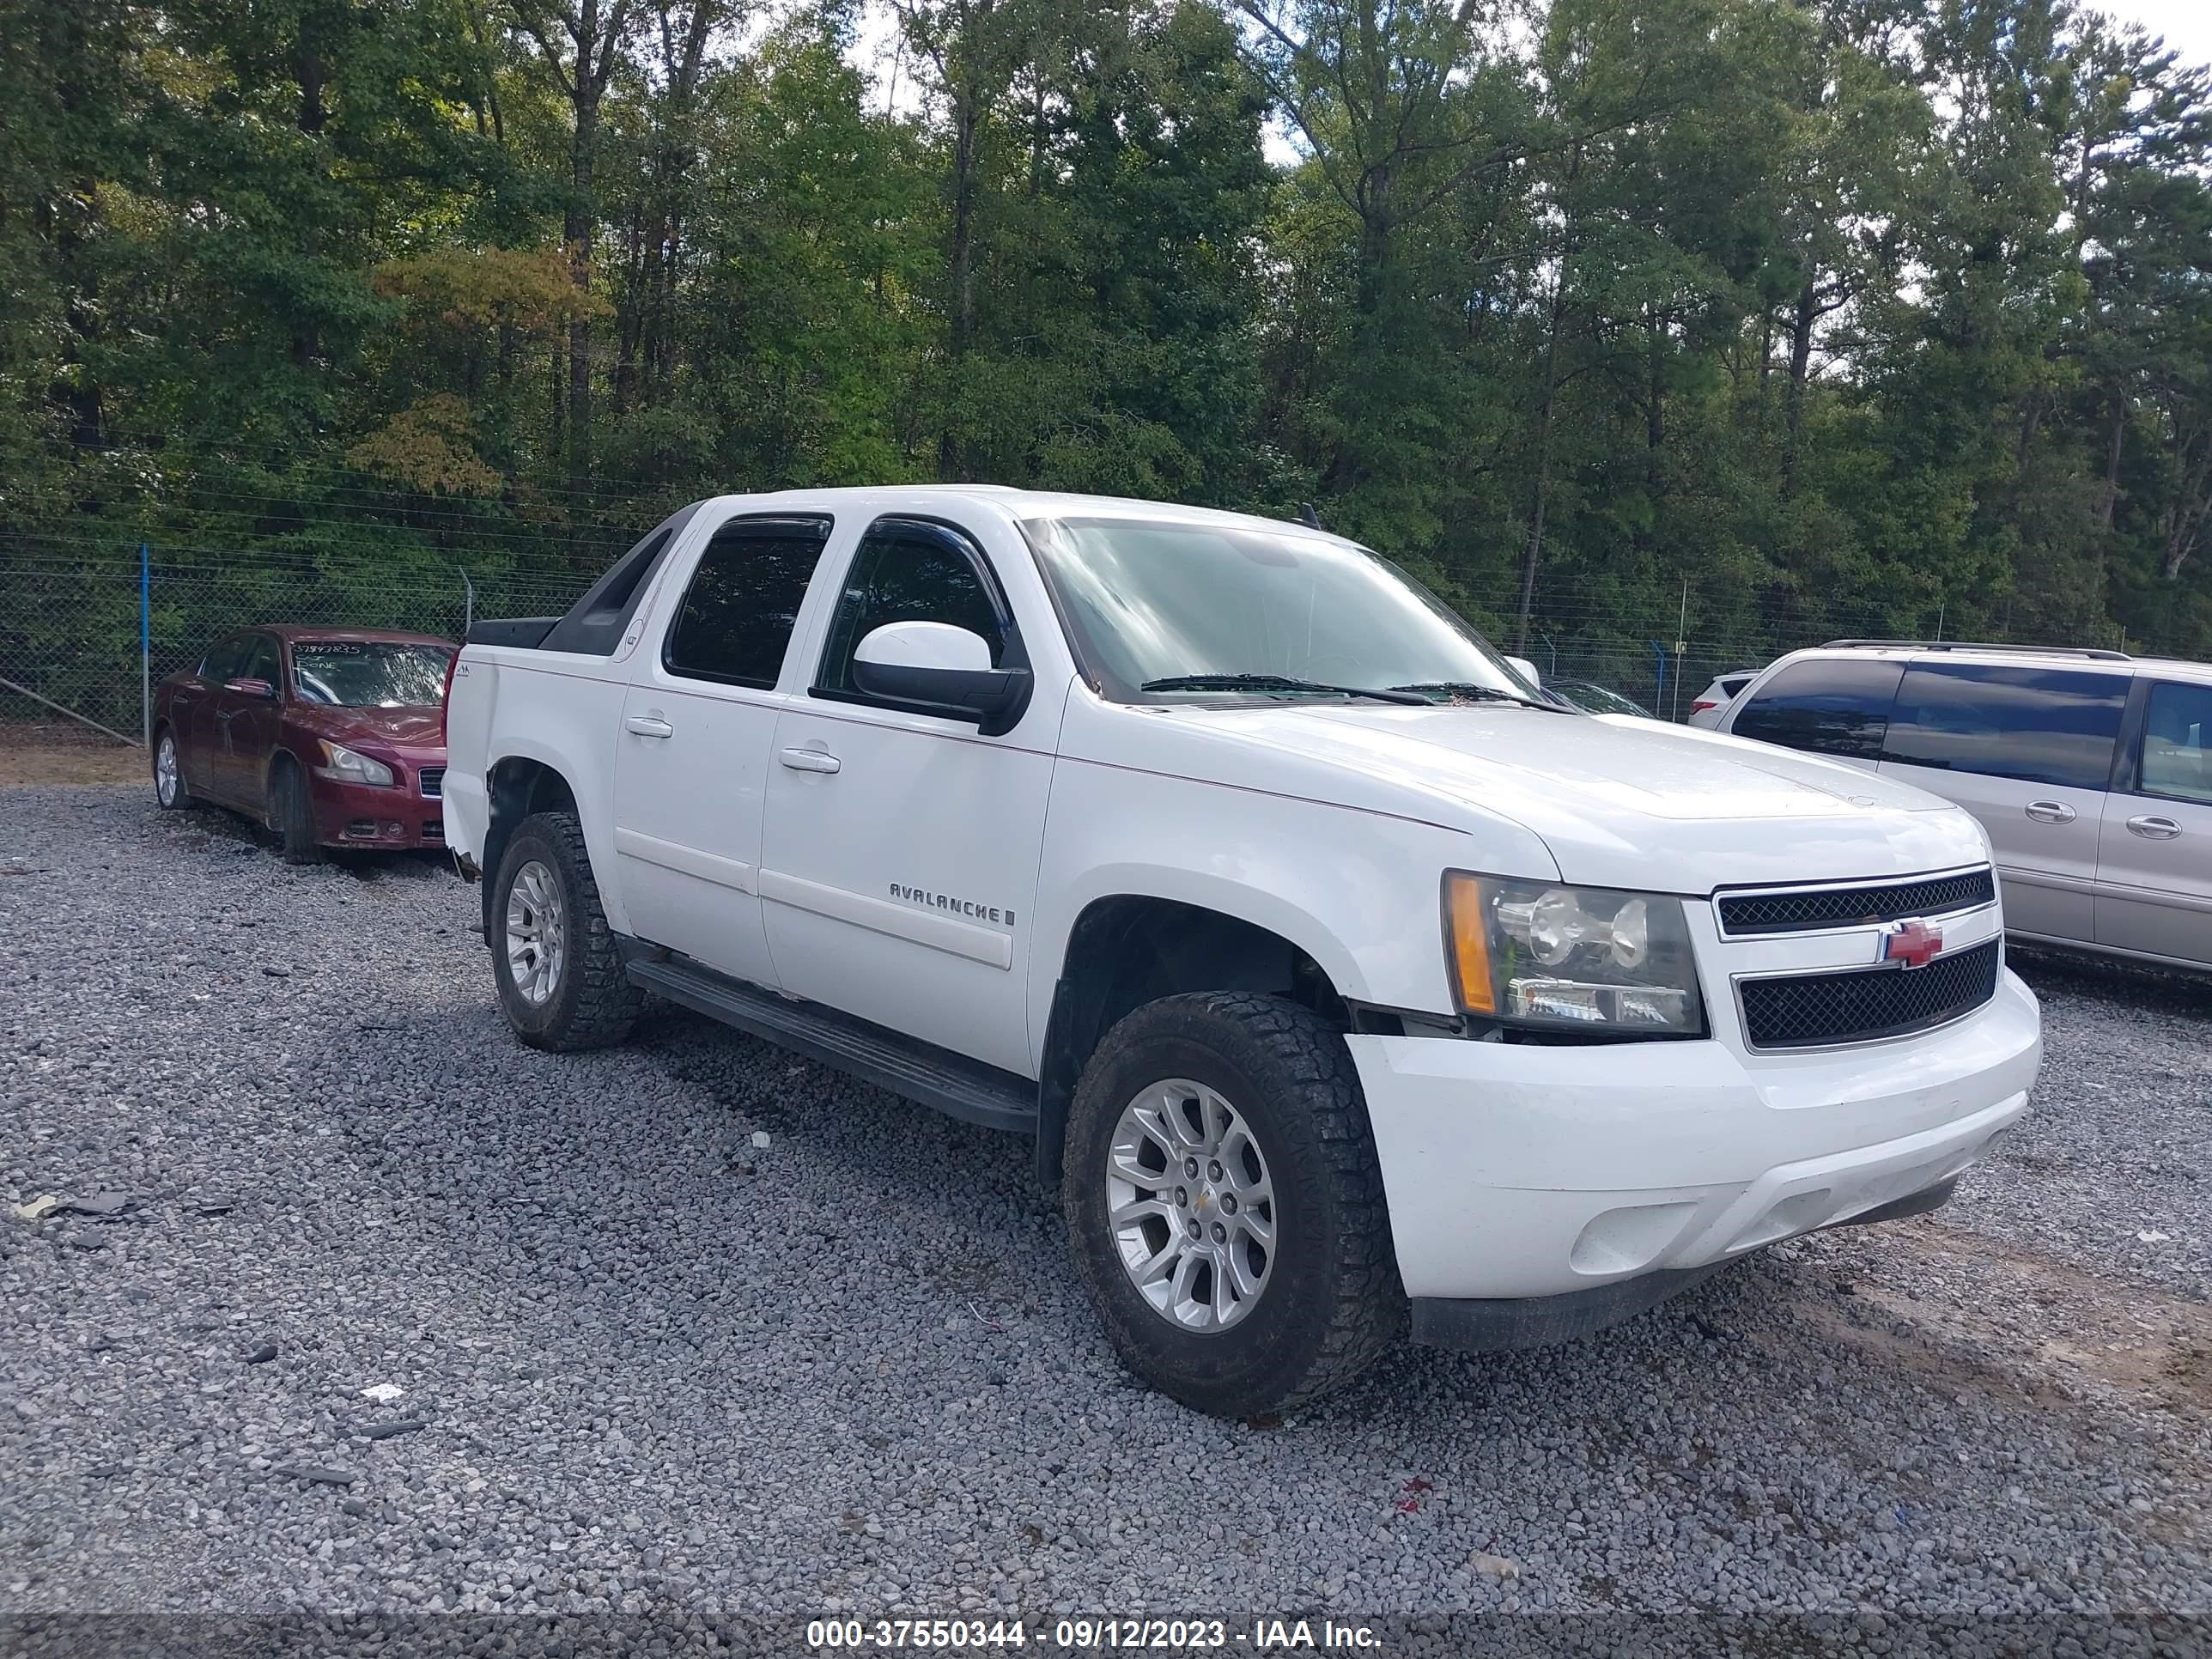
(2092, 771)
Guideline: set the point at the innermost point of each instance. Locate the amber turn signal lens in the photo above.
(1468, 930)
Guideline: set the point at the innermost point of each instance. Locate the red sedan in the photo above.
(332, 736)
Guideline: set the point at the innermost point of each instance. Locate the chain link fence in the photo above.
(83, 637)
(86, 639)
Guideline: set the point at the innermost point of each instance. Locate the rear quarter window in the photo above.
(2040, 724)
(1836, 706)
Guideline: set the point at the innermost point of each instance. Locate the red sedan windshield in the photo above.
(367, 674)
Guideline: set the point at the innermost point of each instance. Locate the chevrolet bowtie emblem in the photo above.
(1912, 944)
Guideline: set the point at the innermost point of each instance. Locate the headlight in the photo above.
(349, 767)
(1570, 958)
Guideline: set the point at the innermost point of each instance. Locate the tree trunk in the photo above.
(1654, 431)
(629, 323)
(2193, 506)
(308, 69)
(1803, 315)
(2113, 447)
(1533, 554)
(1374, 239)
(577, 233)
(960, 269)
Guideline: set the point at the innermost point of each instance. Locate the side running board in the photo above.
(952, 1084)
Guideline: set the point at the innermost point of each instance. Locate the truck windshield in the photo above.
(369, 674)
(1167, 608)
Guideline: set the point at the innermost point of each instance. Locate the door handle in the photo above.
(808, 760)
(648, 725)
(2153, 828)
(2051, 811)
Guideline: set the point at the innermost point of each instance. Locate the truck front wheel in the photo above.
(561, 977)
(1227, 1212)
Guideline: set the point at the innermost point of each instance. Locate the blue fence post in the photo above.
(1659, 691)
(145, 646)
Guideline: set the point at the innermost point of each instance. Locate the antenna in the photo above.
(1308, 517)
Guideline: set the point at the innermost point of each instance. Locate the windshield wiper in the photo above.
(1472, 693)
(1276, 683)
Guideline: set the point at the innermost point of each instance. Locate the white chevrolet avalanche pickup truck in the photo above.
(1342, 978)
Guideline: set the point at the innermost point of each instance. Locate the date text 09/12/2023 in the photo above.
(1091, 1635)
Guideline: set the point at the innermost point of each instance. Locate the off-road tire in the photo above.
(1333, 1301)
(292, 815)
(182, 800)
(594, 1004)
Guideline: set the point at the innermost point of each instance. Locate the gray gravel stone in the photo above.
(864, 1377)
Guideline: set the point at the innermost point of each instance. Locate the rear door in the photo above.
(2154, 849)
(2027, 749)
(698, 719)
(192, 713)
(1836, 707)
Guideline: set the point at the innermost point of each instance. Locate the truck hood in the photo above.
(1622, 802)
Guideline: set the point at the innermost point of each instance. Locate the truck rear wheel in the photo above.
(1227, 1212)
(561, 977)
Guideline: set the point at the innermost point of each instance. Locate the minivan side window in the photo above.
(1825, 705)
(735, 623)
(2177, 743)
(900, 574)
(2053, 726)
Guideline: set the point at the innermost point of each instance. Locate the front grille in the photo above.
(434, 829)
(432, 780)
(1802, 1010)
(1845, 907)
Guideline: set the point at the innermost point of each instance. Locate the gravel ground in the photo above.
(648, 1363)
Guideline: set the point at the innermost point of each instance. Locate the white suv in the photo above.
(2091, 770)
(1337, 974)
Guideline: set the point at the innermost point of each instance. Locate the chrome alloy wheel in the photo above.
(536, 932)
(166, 778)
(1191, 1209)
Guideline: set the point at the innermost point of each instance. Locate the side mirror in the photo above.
(260, 690)
(1525, 669)
(928, 662)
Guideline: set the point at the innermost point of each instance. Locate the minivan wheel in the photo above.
(169, 787)
(561, 978)
(1221, 1190)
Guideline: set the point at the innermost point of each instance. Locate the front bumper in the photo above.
(1518, 1170)
(370, 815)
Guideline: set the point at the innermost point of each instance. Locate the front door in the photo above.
(898, 870)
(697, 722)
(2155, 858)
(2028, 750)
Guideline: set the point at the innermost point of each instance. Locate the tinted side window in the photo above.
(736, 615)
(2040, 724)
(900, 575)
(225, 660)
(1828, 706)
(2176, 746)
(260, 662)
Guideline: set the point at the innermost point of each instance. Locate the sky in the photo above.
(2186, 24)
